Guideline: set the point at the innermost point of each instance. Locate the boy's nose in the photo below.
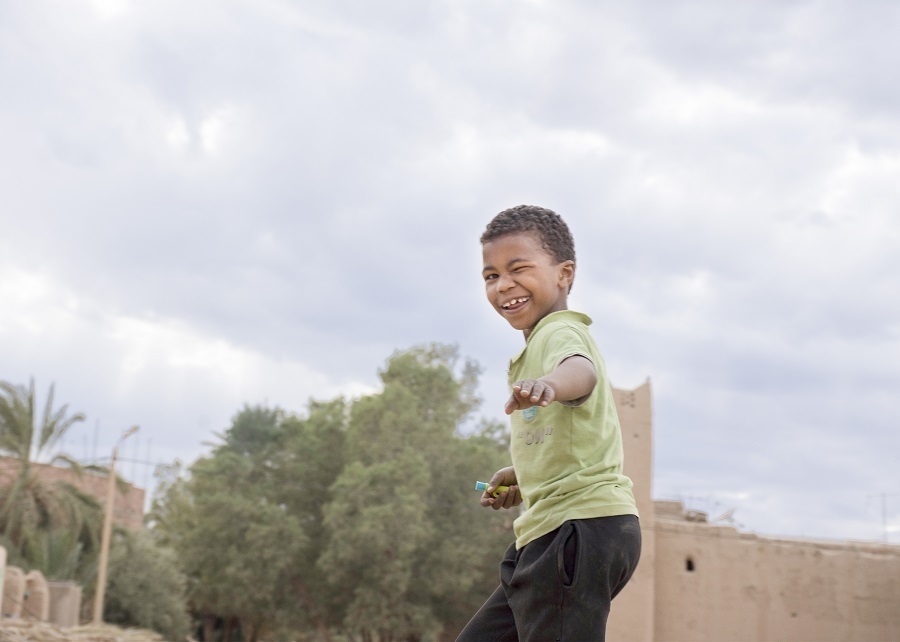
(504, 283)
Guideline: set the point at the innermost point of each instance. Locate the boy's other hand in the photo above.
(506, 499)
(528, 393)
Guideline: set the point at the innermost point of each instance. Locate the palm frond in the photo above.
(52, 525)
(13, 496)
(68, 462)
(84, 513)
(122, 485)
(56, 553)
(55, 425)
(16, 420)
(48, 424)
(29, 413)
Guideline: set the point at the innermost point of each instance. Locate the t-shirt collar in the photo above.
(559, 315)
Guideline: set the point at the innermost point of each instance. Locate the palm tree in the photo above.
(31, 507)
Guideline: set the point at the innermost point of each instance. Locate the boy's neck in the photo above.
(527, 332)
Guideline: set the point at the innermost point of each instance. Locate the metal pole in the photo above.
(104, 543)
(107, 530)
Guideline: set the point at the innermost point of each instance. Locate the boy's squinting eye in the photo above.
(488, 277)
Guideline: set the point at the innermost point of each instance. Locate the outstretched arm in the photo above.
(573, 379)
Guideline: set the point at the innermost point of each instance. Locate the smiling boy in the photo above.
(579, 540)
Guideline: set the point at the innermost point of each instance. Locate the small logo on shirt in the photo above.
(535, 436)
(529, 413)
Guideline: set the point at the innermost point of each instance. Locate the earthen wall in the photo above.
(128, 507)
(703, 582)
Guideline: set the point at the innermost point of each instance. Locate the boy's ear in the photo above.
(566, 274)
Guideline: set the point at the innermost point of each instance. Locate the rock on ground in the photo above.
(13, 630)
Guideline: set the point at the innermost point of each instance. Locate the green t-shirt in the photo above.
(568, 456)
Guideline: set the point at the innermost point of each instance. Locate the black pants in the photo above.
(559, 586)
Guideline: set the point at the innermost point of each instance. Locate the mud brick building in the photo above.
(699, 581)
(128, 508)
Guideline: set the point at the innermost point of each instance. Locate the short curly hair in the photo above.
(552, 231)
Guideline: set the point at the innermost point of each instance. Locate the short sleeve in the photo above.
(562, 342)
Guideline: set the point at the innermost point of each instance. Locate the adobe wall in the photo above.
(716, 583)
(128, 507)
(36, 602)
(633, 612)
(698, 581)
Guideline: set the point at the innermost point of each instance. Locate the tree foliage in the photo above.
(406, 499)
(236, 545)
(146, 589)
(50, 525)
(358, 519)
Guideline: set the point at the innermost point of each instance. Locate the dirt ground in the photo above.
(14, 630)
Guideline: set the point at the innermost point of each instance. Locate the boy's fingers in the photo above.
(498, 479)
(548, 396)
(508, 497)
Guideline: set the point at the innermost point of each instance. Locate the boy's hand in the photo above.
(528, 393)
(506, 499)
(572, 379)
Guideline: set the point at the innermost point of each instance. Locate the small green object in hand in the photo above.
(482, 486)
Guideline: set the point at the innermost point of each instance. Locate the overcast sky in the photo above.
(215, 202)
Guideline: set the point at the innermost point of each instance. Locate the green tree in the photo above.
(307, 462)
(468, 538)
(255, 432)
(146, 589)
(246, 525)
(39, 518)
(355, 521)
(410, 548)
(236, 546)
(377, 532)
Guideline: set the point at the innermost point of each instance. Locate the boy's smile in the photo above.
(523, 281)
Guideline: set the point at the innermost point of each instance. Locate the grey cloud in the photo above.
(691, 147)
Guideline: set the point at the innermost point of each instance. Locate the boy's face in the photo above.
(523, 281)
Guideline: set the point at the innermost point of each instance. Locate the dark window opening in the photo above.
(690, 565)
